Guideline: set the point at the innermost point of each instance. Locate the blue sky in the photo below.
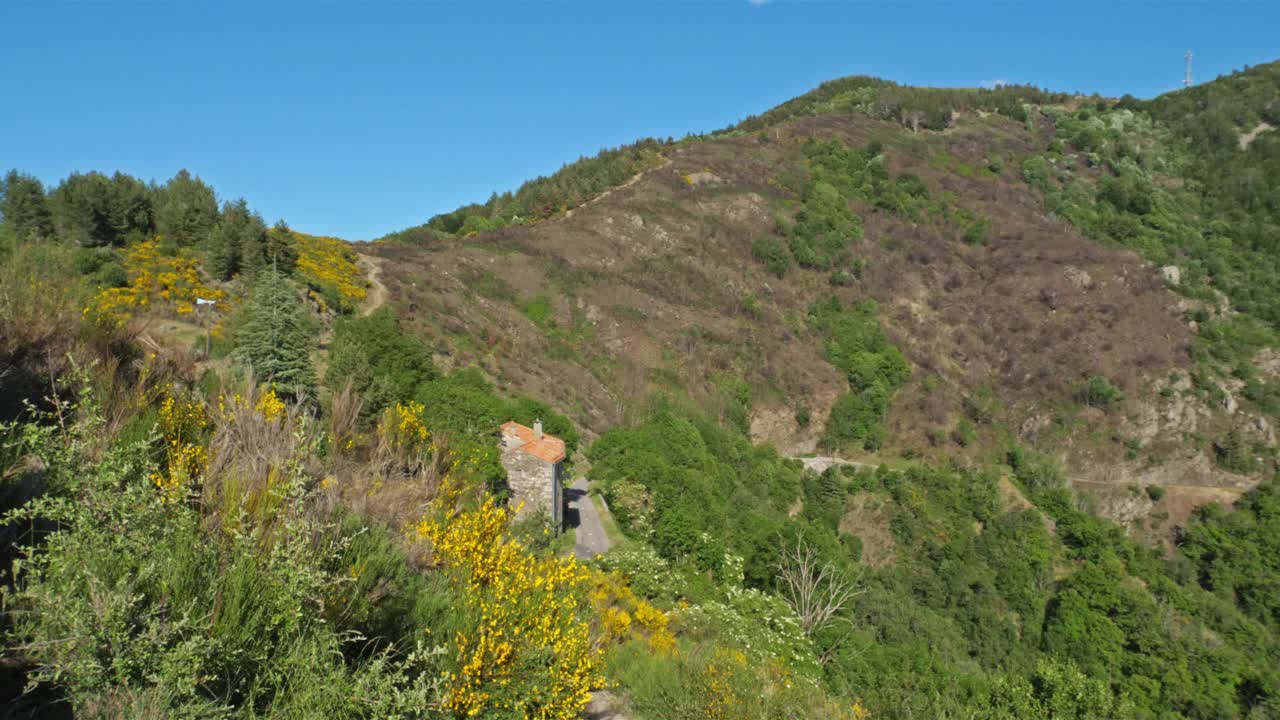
(359, 119)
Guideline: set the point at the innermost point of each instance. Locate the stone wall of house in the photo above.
(532, 482)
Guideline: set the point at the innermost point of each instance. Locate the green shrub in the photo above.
(539, 310)
(486, 284)
(1099, 392)
(1035, 170)
(773, 254)
(1234, 454)
(647, 573)
(382, 363)
(964, 434)
(937, 436)
(111, 275)
(688, 468)
(89, 259)
(1237, 554)
(975, 233)
(856, 344)
(134, 602)
(857, 417)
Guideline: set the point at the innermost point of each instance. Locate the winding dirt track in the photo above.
(377, 295)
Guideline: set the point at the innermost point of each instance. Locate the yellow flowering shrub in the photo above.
(617, 623)
(404, 428)
(183, 422)
(720, 680)
(731, 686)
(157, 282)
(330, 264)
(623, 615)
(270, 406)
(472, 462)
(527, 655)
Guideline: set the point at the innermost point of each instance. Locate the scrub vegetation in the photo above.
(235, 483)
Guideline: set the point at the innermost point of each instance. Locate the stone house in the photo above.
(535, 470)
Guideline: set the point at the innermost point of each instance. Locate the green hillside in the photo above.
(250, 472)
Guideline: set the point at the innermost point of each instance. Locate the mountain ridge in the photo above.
(649, 288)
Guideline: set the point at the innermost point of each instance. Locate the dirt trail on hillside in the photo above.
(634, 179)
(1246, 138)
(377, 295)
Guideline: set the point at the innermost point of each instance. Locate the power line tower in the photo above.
(1186, 81)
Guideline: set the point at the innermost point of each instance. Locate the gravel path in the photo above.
(591, 539)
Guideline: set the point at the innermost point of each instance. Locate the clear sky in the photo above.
(359, 119)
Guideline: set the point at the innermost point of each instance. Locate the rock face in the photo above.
(1171, 274)
(603, 705)
(1078, 277)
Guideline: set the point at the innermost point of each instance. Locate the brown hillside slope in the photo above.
(654, 288)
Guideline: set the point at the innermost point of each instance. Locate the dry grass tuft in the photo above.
(344, 419)
(254, 448)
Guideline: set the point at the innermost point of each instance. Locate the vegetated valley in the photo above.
(893, 402)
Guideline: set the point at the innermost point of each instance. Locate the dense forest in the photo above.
(237, 485)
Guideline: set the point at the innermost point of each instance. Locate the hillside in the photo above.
(1004, 309)
(893, 402)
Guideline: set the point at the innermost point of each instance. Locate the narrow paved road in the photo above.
(591, 539)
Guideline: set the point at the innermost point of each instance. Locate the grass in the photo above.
(565, 541)
(606, 520)
(489, 285)
(539, 310)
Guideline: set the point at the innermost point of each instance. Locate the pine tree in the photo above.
(281, 249)
(236, 244)
(25, 208)
(276, 338)
(186, 210)
(82, 209)
(130, 209)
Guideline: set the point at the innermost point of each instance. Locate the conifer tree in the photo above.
(81, 207)
(186, 210)
(25, 208)
(280, 247)
(95, 210)
(276, 337)
(130, 209)
(236, 244)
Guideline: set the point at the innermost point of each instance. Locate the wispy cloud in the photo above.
(758, 3)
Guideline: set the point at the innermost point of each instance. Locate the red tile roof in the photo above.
(547, 448)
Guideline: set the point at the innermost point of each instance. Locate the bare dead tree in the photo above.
(816, 591)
